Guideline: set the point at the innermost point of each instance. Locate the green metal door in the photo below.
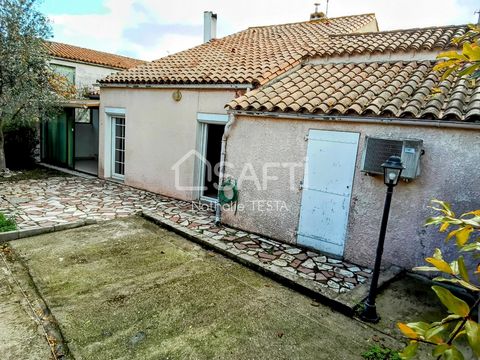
(58, 139)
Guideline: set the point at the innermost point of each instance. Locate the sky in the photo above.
(150, 29)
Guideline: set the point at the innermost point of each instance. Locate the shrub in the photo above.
(460, 325)
(7, 224)
(20, 144)
(380, 353)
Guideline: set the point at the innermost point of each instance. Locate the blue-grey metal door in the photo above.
(327, 189)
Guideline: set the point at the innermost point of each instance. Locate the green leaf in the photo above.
(468, 70)
(448, 319)
(453, 354)
(437, 254)
(433, 220)
(425, 268)
(451, 55)
(433, 333)
(462, 269)
(446, 207)
(440, 349)
(471, 51)
(440, 264)
(419, 327)
(463, 234)
(407, 331)
(448, 72)
(452, 303)
(471, 247)
(473, 335)
(410, 351)
(463, 283)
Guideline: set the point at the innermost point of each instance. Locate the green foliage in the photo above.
(20, 143)
(459, 325)
(465, 62)
(380, 353)
(7, 224)
(28, 86)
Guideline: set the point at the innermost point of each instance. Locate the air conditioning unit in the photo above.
(377, 151)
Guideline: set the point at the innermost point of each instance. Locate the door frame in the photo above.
(351, 192)
(115, 175)
(203, 120)
(110, 113)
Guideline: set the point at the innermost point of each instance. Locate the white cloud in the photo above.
(109, 31)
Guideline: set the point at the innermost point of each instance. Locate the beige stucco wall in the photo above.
(159, 132)
(449, 172)
(86, 75)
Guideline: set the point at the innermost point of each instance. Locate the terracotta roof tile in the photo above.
(76, 53)
(252, 56)
(399, 89)
(433, 38)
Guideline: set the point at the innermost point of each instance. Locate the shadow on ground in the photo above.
(127, 289)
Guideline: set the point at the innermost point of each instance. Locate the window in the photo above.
(66, 71)
(83, 116)
(118, 141)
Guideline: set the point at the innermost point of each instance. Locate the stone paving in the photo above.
(39, 203)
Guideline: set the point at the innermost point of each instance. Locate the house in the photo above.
(70, 138)
(313, 109)
(359, 99)
(164, 109)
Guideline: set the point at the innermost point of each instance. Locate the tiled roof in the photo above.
(401, 89)
(433, 38)
(252, 56)
(76, 53)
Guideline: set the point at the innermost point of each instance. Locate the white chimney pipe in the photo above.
(209, 26)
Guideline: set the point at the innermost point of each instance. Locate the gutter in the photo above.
(177, 86)
(223, 152)
(364, 120)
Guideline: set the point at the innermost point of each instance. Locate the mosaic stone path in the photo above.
(54, 201)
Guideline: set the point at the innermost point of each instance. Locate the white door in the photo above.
(329, 170)
(118, 147)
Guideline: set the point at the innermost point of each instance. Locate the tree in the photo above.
(465, 62)
(27, 88)
(460, 324)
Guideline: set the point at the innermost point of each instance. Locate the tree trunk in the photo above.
(3, 164)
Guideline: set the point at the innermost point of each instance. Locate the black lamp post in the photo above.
(392, 169)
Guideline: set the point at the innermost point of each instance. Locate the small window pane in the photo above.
(83, 116)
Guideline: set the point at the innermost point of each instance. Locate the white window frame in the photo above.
(110, 114)
(203, 120)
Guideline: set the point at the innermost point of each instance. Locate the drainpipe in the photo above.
(226, 134)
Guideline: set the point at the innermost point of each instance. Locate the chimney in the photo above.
(317, 15)
(209, 26)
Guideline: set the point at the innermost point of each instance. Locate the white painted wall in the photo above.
(85, 74)
(159, 132)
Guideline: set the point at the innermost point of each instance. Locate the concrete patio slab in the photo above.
(127, 289)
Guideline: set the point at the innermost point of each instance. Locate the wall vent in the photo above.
(377, 151)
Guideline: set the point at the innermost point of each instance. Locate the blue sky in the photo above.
(149, 29)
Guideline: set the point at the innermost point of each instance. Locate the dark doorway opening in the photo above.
(212, 155)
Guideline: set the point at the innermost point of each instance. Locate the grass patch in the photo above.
(7, 224)
(380, 353)
(36, 173)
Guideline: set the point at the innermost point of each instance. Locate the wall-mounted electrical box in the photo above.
(377, 151)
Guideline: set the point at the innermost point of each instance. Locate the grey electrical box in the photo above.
(377, 151)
